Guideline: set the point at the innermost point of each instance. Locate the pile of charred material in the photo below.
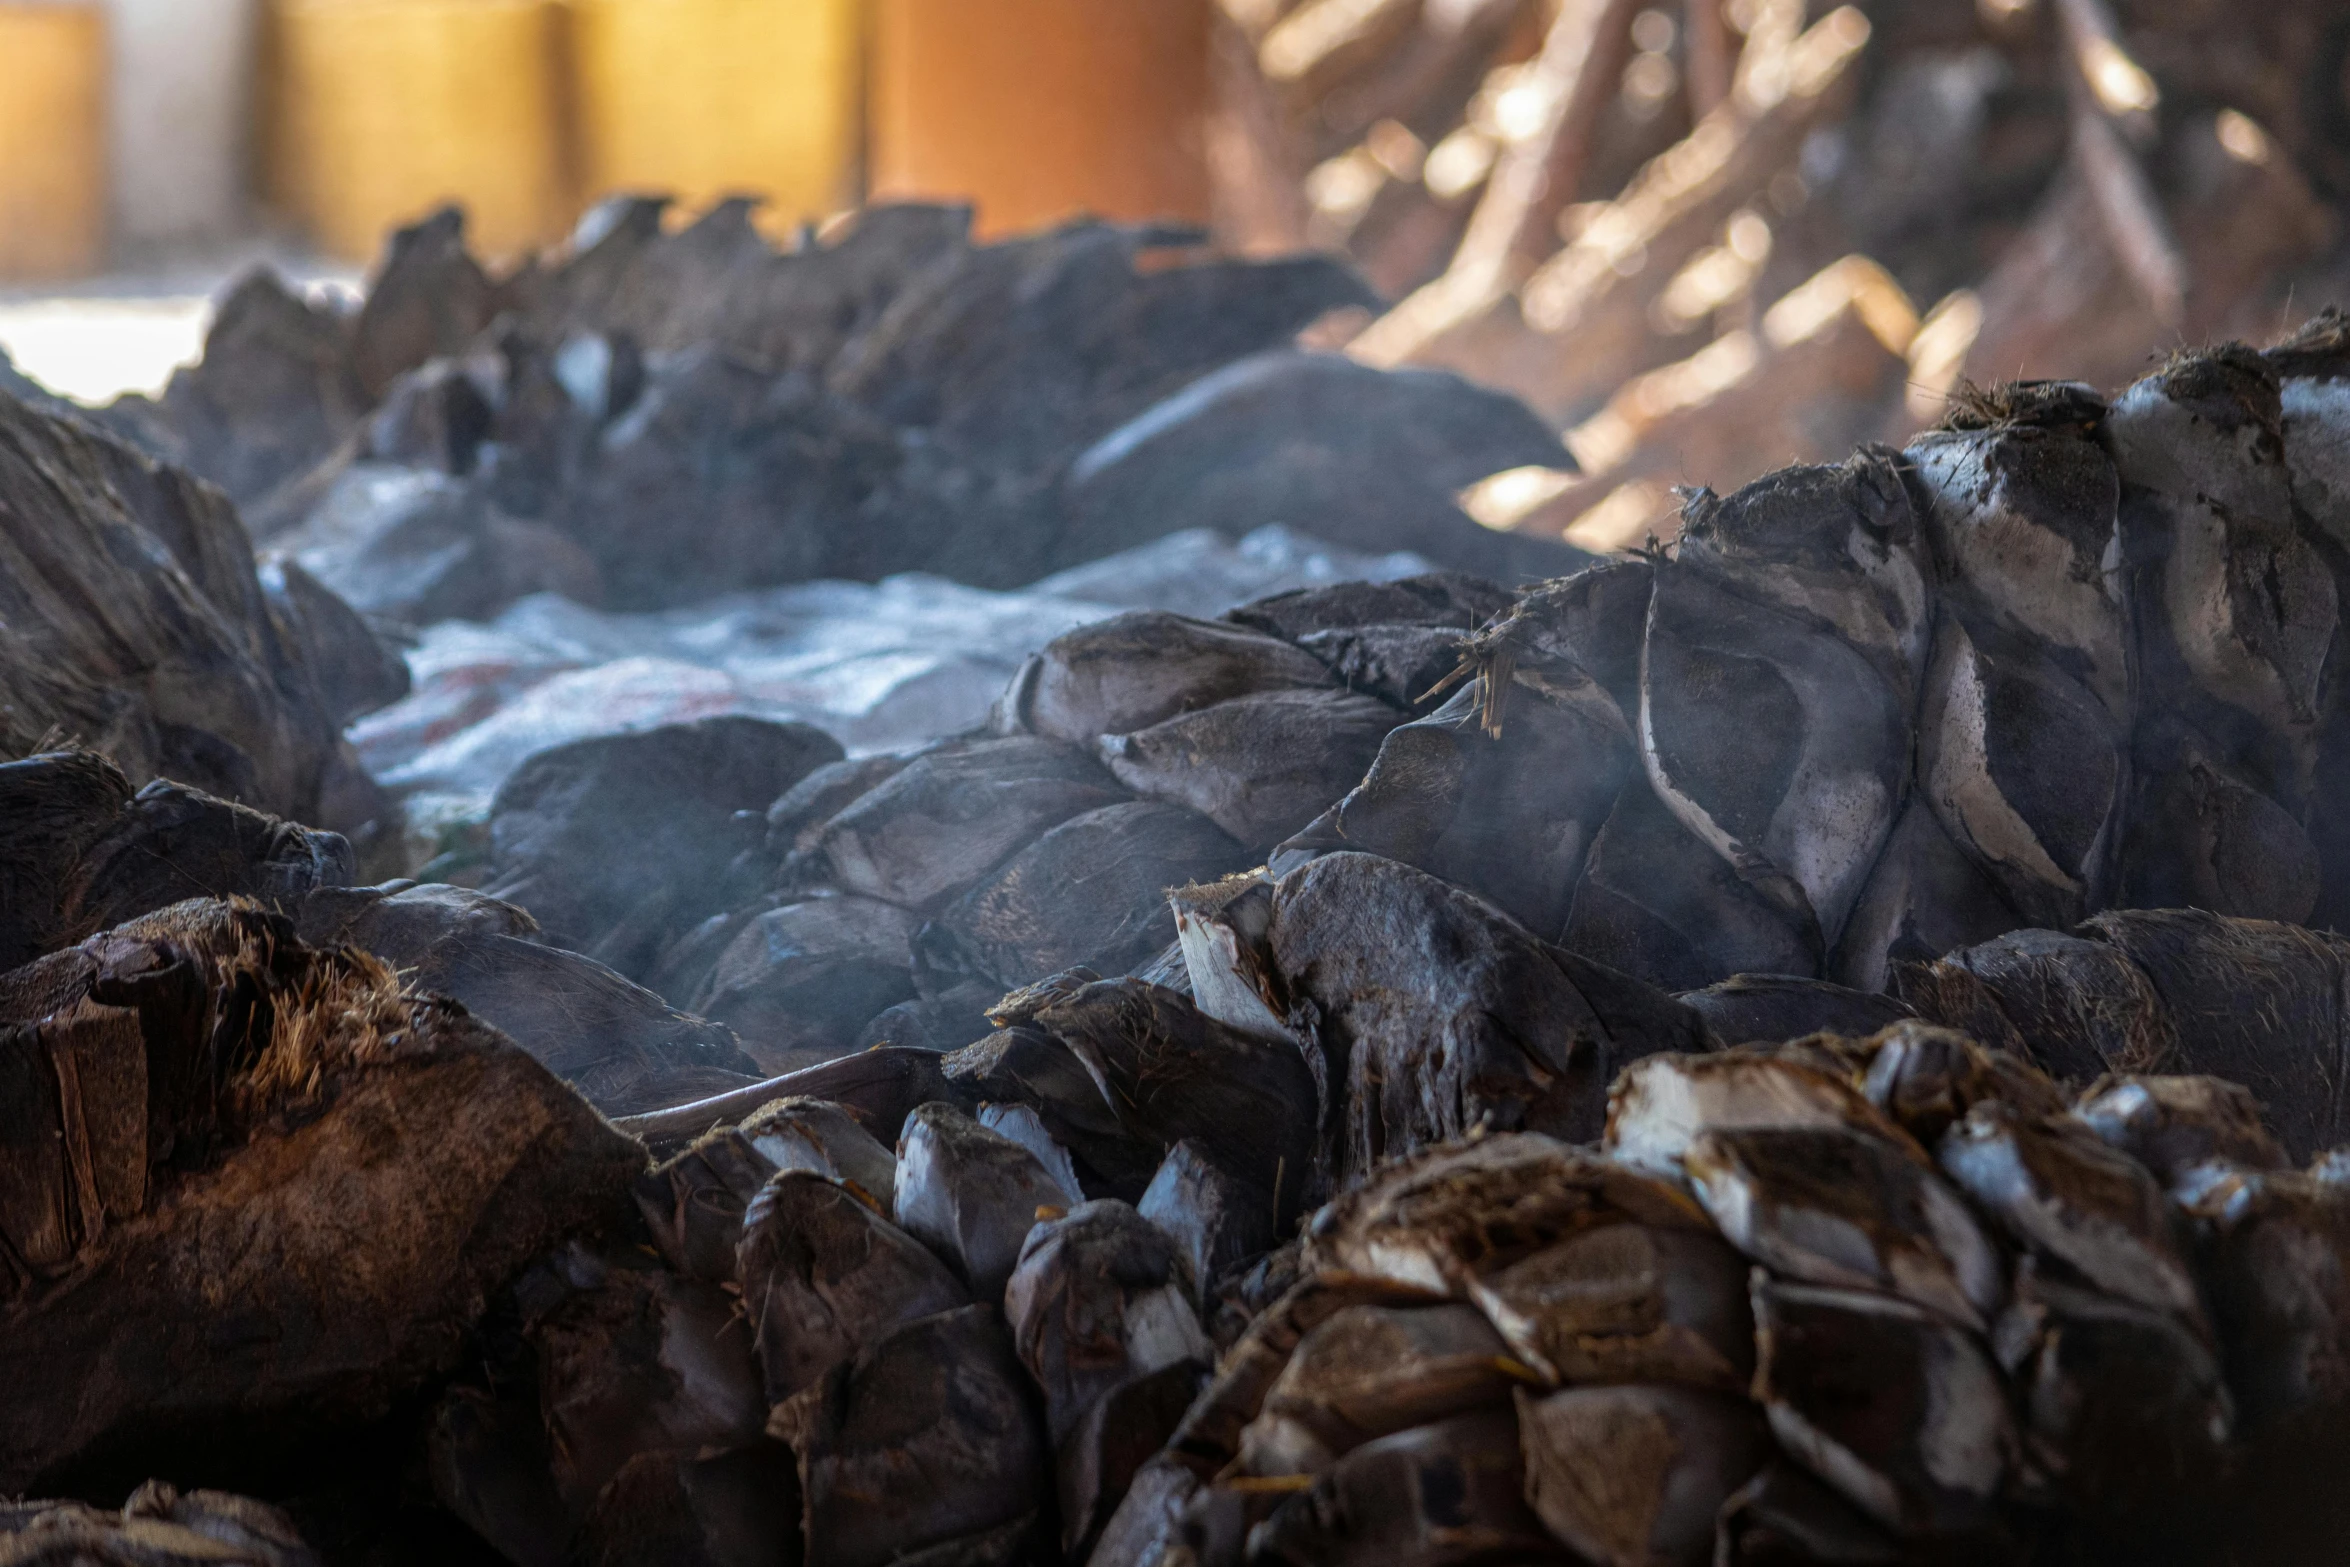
(660, 413)
(1708, 237)
(1808, 1047)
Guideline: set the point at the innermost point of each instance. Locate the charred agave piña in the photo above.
(1787, 1049)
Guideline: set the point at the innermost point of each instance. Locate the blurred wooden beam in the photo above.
(1710, 57)
(1514, 225)
(2113, 100)
(1580, 325)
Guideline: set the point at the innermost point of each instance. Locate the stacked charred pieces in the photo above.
(274, 1223)
(1834, 1301)
(461, 440)
(910, 1306)
(2060, 657)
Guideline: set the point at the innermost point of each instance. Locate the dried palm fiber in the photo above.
(622, 1046)
(232, 1072)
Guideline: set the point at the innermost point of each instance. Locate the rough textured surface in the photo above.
(827, 1275)
(802, 980)
(946, 819)
(610, 842)
(138, 627)
(1439, 1013)
(925, 1437)
(1250, 1107)
(158, 1527)
(1289, 434)
(84, 853)
(972, 1196)
(618, 1043)
(226, 1298)
(1142, 668)
(1090, 892)
(1260, 766)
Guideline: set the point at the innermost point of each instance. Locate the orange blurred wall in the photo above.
(52, 140)
(1040, 109)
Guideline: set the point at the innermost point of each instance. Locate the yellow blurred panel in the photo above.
(52, 140)
(1041, 109)
(709, 98)
(387, 108)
